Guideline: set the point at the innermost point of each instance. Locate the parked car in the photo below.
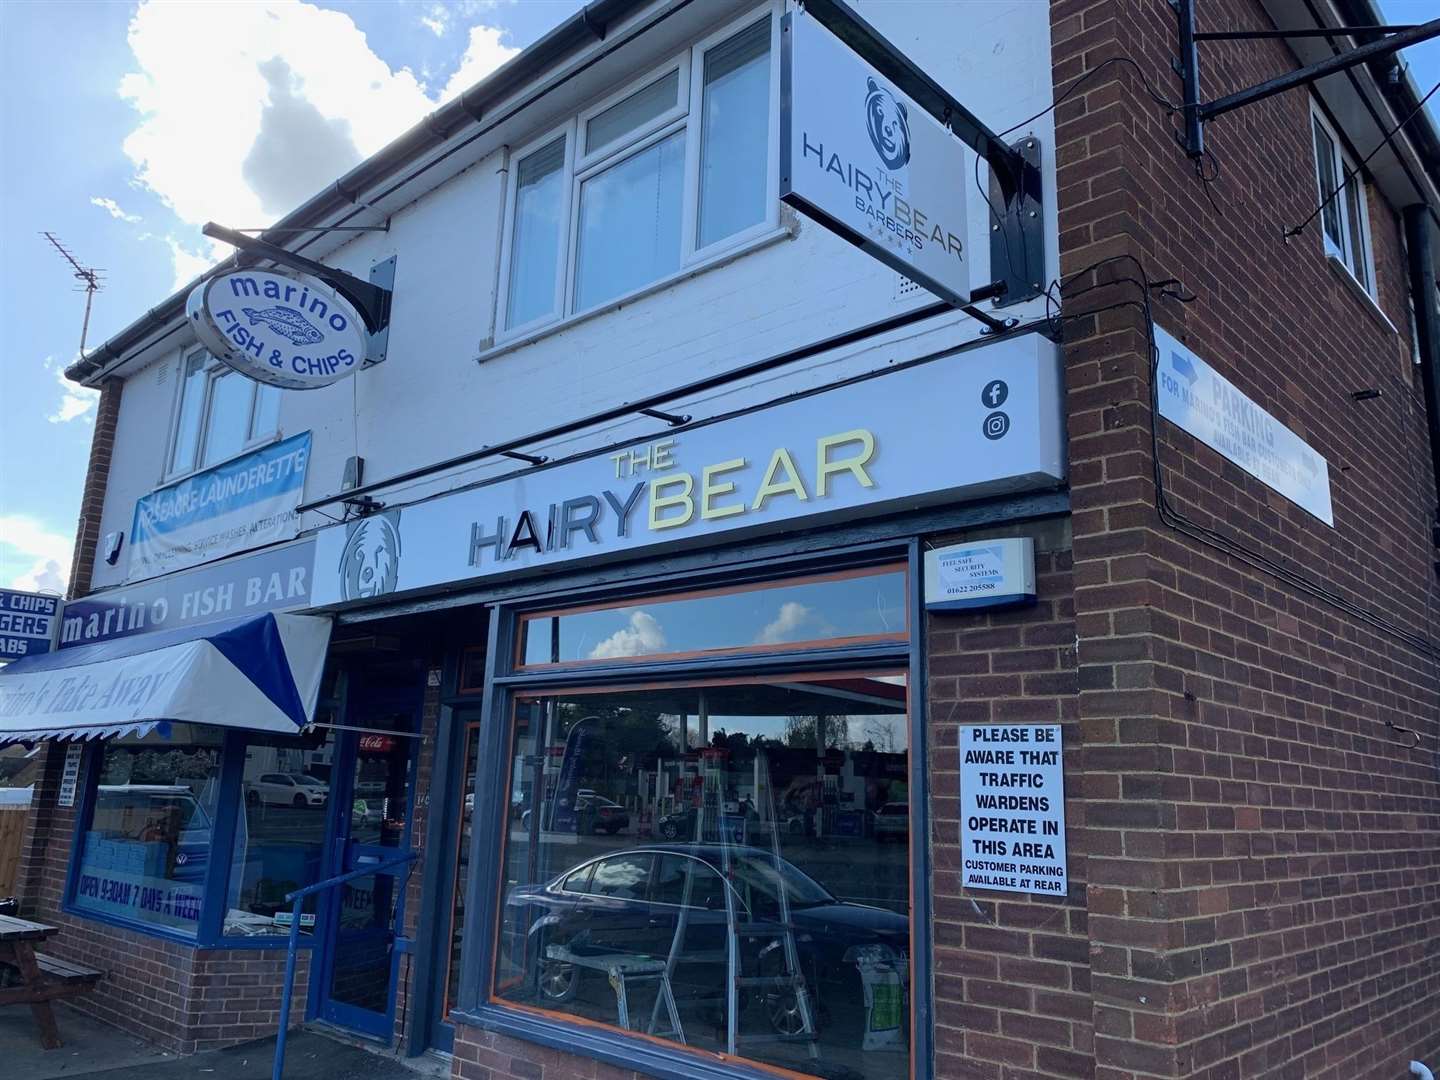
(629, 902)
(892, 822)
(366, 814)
(286, 789)
(160, 812)
(595, 812)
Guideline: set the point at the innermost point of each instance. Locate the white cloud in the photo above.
(290, 99)
(32, 556)
(436, 20)
(483, 54)
(788, 619)
(642, 637)
(75, 400)
(189, 265)
(111, 207)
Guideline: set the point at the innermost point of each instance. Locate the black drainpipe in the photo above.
(1420, 251)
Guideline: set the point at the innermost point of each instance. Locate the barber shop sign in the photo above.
(285, 329)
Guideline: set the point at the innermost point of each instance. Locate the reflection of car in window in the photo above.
(892, 822)
(286, 789)
(594, 812)
(158, 813)
(629, 902)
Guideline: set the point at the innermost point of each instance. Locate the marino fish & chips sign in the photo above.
(288, 330)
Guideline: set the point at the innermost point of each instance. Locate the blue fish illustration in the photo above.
(287, 322)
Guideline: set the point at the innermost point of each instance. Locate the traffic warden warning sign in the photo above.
(1012, 808)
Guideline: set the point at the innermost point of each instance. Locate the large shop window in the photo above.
(657, 177)
(145, 853)
(221, 413)
(163, 809)
(721, 861)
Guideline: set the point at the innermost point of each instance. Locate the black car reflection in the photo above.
(644, 901)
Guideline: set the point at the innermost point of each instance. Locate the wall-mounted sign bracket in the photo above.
(1014, 170)
(372, 301)
(1196, 113)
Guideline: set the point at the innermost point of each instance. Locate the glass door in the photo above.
(370, 825)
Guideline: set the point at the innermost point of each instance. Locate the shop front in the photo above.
(652, 723)
(678, 797)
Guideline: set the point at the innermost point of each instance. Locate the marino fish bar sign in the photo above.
(859, 156)
(289, 330)
(927, 435)
(233, 507)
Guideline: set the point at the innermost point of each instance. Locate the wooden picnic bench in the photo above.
(42, 978)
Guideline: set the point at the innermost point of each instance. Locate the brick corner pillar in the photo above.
(92, 499)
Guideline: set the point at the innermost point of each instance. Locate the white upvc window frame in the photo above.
(1350, 199)
(214, 370)
(582, 164)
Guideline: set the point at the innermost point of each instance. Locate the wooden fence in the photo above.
(12, 830)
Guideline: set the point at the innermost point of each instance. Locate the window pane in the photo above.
(267, 411)
(229, 420)
(462, 864)
(1325, 173)
(783, 802)
(535, 241)
(280, 838)
(630, 223)
(192, 405)
(147, 847)
(828, 611)
(632, 113)
(1358, 261)
(735, 150)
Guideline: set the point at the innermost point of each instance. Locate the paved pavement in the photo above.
(93, 1049)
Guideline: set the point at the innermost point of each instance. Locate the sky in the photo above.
(139, 122)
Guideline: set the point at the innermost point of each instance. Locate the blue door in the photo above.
(357, 960)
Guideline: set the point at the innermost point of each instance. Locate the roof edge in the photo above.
(587, 25)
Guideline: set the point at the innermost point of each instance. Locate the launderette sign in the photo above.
(239, 505)
(931, 434)
(281, 328)
(863, 159)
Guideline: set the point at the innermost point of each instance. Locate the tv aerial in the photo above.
(89, 281)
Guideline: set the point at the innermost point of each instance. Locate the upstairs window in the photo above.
(1345, 221)
(666, 172)
(221, 414)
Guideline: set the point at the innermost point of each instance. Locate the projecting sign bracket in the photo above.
(1197, 113)
(371, 300)
(1017, 236)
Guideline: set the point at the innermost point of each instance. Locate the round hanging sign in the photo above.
(289, 330)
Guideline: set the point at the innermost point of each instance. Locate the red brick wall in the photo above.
(1264, 854)
(97, 475)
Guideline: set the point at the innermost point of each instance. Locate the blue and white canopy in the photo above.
(260, 672)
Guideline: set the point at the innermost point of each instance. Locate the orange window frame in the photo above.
(494, 988)
(527, 618)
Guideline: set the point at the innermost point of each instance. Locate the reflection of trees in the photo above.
(800, 731)
(168, 767)
(880, 733)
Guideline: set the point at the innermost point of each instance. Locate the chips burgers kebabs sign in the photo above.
(286, 329)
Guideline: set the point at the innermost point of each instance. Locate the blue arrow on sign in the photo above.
(1184, 367)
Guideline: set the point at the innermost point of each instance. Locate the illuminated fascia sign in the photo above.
(935, 433)
(862, 158)
(282, 328)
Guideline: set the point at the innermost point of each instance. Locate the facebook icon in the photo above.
(994, 394)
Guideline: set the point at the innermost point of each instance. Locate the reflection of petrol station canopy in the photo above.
(843, 696)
